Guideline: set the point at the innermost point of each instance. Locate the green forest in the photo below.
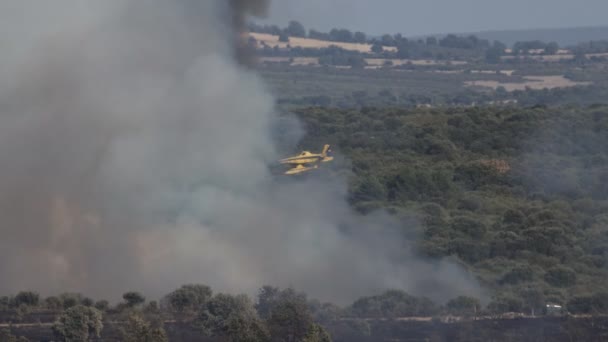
(519, 195)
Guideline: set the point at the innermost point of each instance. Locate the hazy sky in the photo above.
(414, 17)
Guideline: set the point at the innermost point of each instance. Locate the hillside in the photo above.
(563, 36)
(519, 195)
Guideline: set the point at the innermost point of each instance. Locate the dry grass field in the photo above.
(373, 63)
(397, 62)
(295, 61)
(532, 82)
(273, 41)
(555, 58)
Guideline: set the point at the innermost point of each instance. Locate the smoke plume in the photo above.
(134, 152)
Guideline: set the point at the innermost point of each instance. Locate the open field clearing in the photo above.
(373, 63)
(491, 72)
(532, 82)
(273, 41)
(421, 62)
(555, 58)
(541, 51)
(295, 61)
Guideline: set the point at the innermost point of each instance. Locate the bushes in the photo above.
(543, 210)
(464, 306)
(78, 323)
(368, 189)
(517, 275)
(561, 276)
(138, 329)
(232, 317)
(589, 304)
(419, 185)
(188, 298)
(470, 226)
(394, 303)
(27, 298)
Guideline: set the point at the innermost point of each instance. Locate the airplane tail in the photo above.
(326, 158)
(325, 150)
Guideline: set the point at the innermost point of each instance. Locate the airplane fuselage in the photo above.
(306, 161)
(302, 160)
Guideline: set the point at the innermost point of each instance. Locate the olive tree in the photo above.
(78, 323)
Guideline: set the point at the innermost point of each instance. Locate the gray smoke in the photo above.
(134, 152)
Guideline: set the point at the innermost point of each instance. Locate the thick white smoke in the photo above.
(134, 152)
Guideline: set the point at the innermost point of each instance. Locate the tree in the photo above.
(513, 216)
(70, 299)
(295, 29)
(7, 336)
(140, 330)
(470, 226)
(27, 298)
(552, 48)
(102, 305)
(290, 319)
(533, 299)
(78, 324)
(189, 298)
(314, 34)
(518, 275)
(288, 316)
(86, 301)
(464, 306)
(340, 35)
(431, 41)
(377, 48)
(589, 304)
(53, 303)
(284, 37)
(369, 189)
(267, 298)
(359, 37)
(493, 55)
(560, 276)
(393, 303)
(5, 302)
(317, 333)
(133, 299)
(403, 50)
(505, 303)
(232, 317)
(388, 40)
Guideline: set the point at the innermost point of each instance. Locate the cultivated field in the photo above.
(272, 41)
(373, 63)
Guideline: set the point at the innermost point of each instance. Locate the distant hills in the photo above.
(563, 36)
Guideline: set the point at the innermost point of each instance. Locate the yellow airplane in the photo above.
(303, 160)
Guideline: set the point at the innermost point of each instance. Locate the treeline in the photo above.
(582, 95)
(450, 46)
(296, 29)
(597, 46)
(517, 194)
(276, 315)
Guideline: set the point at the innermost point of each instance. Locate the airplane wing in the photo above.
(300, 169)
